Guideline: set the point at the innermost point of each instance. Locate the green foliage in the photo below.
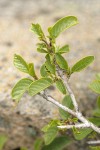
(61, 25)
(43, 71)
(20, 88)
(41, 50)
(3, 140)
(60, 85)
(98, 102)
(58, 143)
(96, 112)
(49, 65)
(38, 144)
(50, 134)
(95, 86)
(86, 131)
(51, 131)
(50, 75)
(82, 133)
(61, 61)
(66, 102)
(98, 76)
(81, 64)
(95, 147)
(20, 63)
(36, 28)
(39, 85)
(31, 70)
(64, 49)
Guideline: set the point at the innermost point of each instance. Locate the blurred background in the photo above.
(16, 17)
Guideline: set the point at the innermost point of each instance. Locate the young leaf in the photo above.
(50, 67)
(39, 85)
(20, 88)
(41, 50)
(59, 143)
(83, 63)
(50, 134)
(64, 49)
(36, 28)
(20, 63)
(61, 61)
(60, 85)
(31, 70)
(68, 103)
(3, 140)
(43, 71)
(61, 25)
(95, 86)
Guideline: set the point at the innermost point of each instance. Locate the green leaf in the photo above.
(95, 147)
(41, 50)
(31, 70)
(98, 76)
(83, 63)
(50, 124)
(98, 102)
(85, 132)
(58, 143)
(39, 85)
(3, 140)
(95, 86)
(50, 135)
(82, 133)
(61, 25)
(20, 63)
(36, 28)
(64, 49)
(50, 67)
(96, 112)
(43, 71)
(38, 144)
(61, 62)
(20, 88)
(68, 103)
(50, 131)
(60, 85)
(95, 120)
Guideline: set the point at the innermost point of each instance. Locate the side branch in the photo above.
(75, 114)
(93, 142)
(63, 76)
(81, 125)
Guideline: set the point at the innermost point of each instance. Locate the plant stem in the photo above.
(75, 114)
(81, 125)
(94, 142)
